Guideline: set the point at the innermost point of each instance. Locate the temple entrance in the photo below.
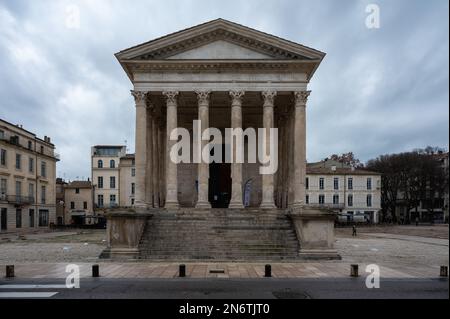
(219, 193)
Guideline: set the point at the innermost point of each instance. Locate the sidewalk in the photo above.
(202, 270)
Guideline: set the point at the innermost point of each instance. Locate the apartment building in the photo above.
(347, 190)
(78, 203)
(127, 183)
(27, 179)
(105, 161)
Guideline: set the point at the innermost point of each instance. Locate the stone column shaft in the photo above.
(203, 168)
(300, 148)
(171, 167)
(236, 168)
(149, 156)
(267, 179)
(141, 148)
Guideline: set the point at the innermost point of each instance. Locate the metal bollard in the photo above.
(9, 271)
(444, 271)
(268, 271)
(354, 270)
(95, 271)
(182, 272)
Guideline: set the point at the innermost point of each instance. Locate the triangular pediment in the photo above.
(219, 50)
(219, 40)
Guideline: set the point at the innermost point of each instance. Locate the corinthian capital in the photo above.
(301, 97)
(269, 97)
(139, 96)
(203, 97)
(171, 96)
(236, 97)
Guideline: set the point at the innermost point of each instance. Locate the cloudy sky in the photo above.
(378, 90)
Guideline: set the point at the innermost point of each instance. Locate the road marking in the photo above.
(33, 286)
(27, 294)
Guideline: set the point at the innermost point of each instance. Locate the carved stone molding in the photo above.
(269, 98)
(140, 97)
(203, 97)
(301, 97)
(236, 97)
(171, 96)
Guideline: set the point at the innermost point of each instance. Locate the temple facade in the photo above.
(226, 76)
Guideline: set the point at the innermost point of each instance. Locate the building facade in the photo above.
(60, 201)
(127, 181)
(228, 77)
(348, 191)
(78, 203)
(27, 179)
(105, 174)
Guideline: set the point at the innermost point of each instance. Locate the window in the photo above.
(3, 157)
(350, 183)
(112, 199)
(321, 199)
(18, 161)
(3, 186)
(307, 183)
(132, 188)
(133, 172)
(43, 169)
(31, 191)
(336, 183)
(42, 149)
(133, 162)
(18, 218)
(43, 217)
(77, 190)
(31, 217)
(112, 182)
(30, 145)
(100, 200)
(18, 188)
(84, 205)
(335, 199)
(100, 182)
(321, 183)
(132, 201)
(100, 164)
(307, 199)
(112, 164)
(72, 205)
(350, 200)
(4, 218)
(31, 165)
(43, 191)
(369, 200)
(369, 183)
(2, 134)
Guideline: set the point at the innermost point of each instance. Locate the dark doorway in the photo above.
(4, 219)
(220, 183)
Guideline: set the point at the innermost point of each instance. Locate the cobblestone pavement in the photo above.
(399, 256)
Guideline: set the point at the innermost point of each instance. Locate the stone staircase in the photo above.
(219, 234)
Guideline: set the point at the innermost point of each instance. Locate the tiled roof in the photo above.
(338, 171)
(79, 184)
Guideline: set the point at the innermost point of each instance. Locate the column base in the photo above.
(236, 205)
(319, 254)
(172, 205)
(267, 205)
(203, 205)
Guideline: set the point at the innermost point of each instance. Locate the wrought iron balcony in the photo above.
(17, 199)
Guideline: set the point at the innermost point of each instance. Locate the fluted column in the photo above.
(203, 168)
(299, 192)
(140, 148)
(149, 158)
(171, 167)
(267, 179)
(236, 168)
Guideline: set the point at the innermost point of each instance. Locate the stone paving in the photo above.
(398, 255)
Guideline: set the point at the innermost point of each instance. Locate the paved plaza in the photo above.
(400, 251)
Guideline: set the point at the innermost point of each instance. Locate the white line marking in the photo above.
(27, 294)
(33, 287)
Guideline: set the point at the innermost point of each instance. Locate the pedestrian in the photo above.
(354, 231)
(417, 221)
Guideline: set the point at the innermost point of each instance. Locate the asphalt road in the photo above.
(264, 288)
